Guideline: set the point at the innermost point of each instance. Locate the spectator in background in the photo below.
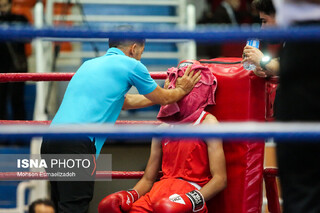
(42, 206)
(265, 65)
(298, 101)
(13, 60)
(225, 13)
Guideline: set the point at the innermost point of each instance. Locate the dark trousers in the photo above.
(12, 93)
(70, 196)
(299, 173)
(299, 100)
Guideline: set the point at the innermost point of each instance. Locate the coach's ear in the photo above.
(133, 50)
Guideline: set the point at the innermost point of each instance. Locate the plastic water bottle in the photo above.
(254, 43)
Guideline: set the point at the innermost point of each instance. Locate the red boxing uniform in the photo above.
(185, 167)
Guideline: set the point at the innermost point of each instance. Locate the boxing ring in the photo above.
(142, 129)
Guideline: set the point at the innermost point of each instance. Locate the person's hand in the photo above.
(188, 80)
(118, 202)
(253, 55)
(180, 203)
(260, 72)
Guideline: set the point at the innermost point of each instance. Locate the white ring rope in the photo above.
(226, 130)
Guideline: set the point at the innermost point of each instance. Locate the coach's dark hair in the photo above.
(265, 6)
(116, 42)
(46, 202)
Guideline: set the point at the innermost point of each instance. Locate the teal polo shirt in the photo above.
(97, 91)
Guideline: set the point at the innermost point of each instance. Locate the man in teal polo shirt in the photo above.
(96, 94)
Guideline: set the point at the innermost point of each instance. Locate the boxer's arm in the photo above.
(136, 101)
(152, 169)
(217, 165)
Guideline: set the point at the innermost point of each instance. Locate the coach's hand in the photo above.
(183, 203)
(188, 80)
(118, 202)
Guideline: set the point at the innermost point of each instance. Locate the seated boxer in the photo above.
(194, 170)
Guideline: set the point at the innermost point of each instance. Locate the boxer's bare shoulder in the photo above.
(210, 119)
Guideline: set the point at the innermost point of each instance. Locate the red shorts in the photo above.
(160, 189)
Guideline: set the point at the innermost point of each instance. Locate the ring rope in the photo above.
(204, 34)
(225, 130)
(17, 77)
(268, 172)
(99, 175)
(119, 122)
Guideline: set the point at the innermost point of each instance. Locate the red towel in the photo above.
(189, 108)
